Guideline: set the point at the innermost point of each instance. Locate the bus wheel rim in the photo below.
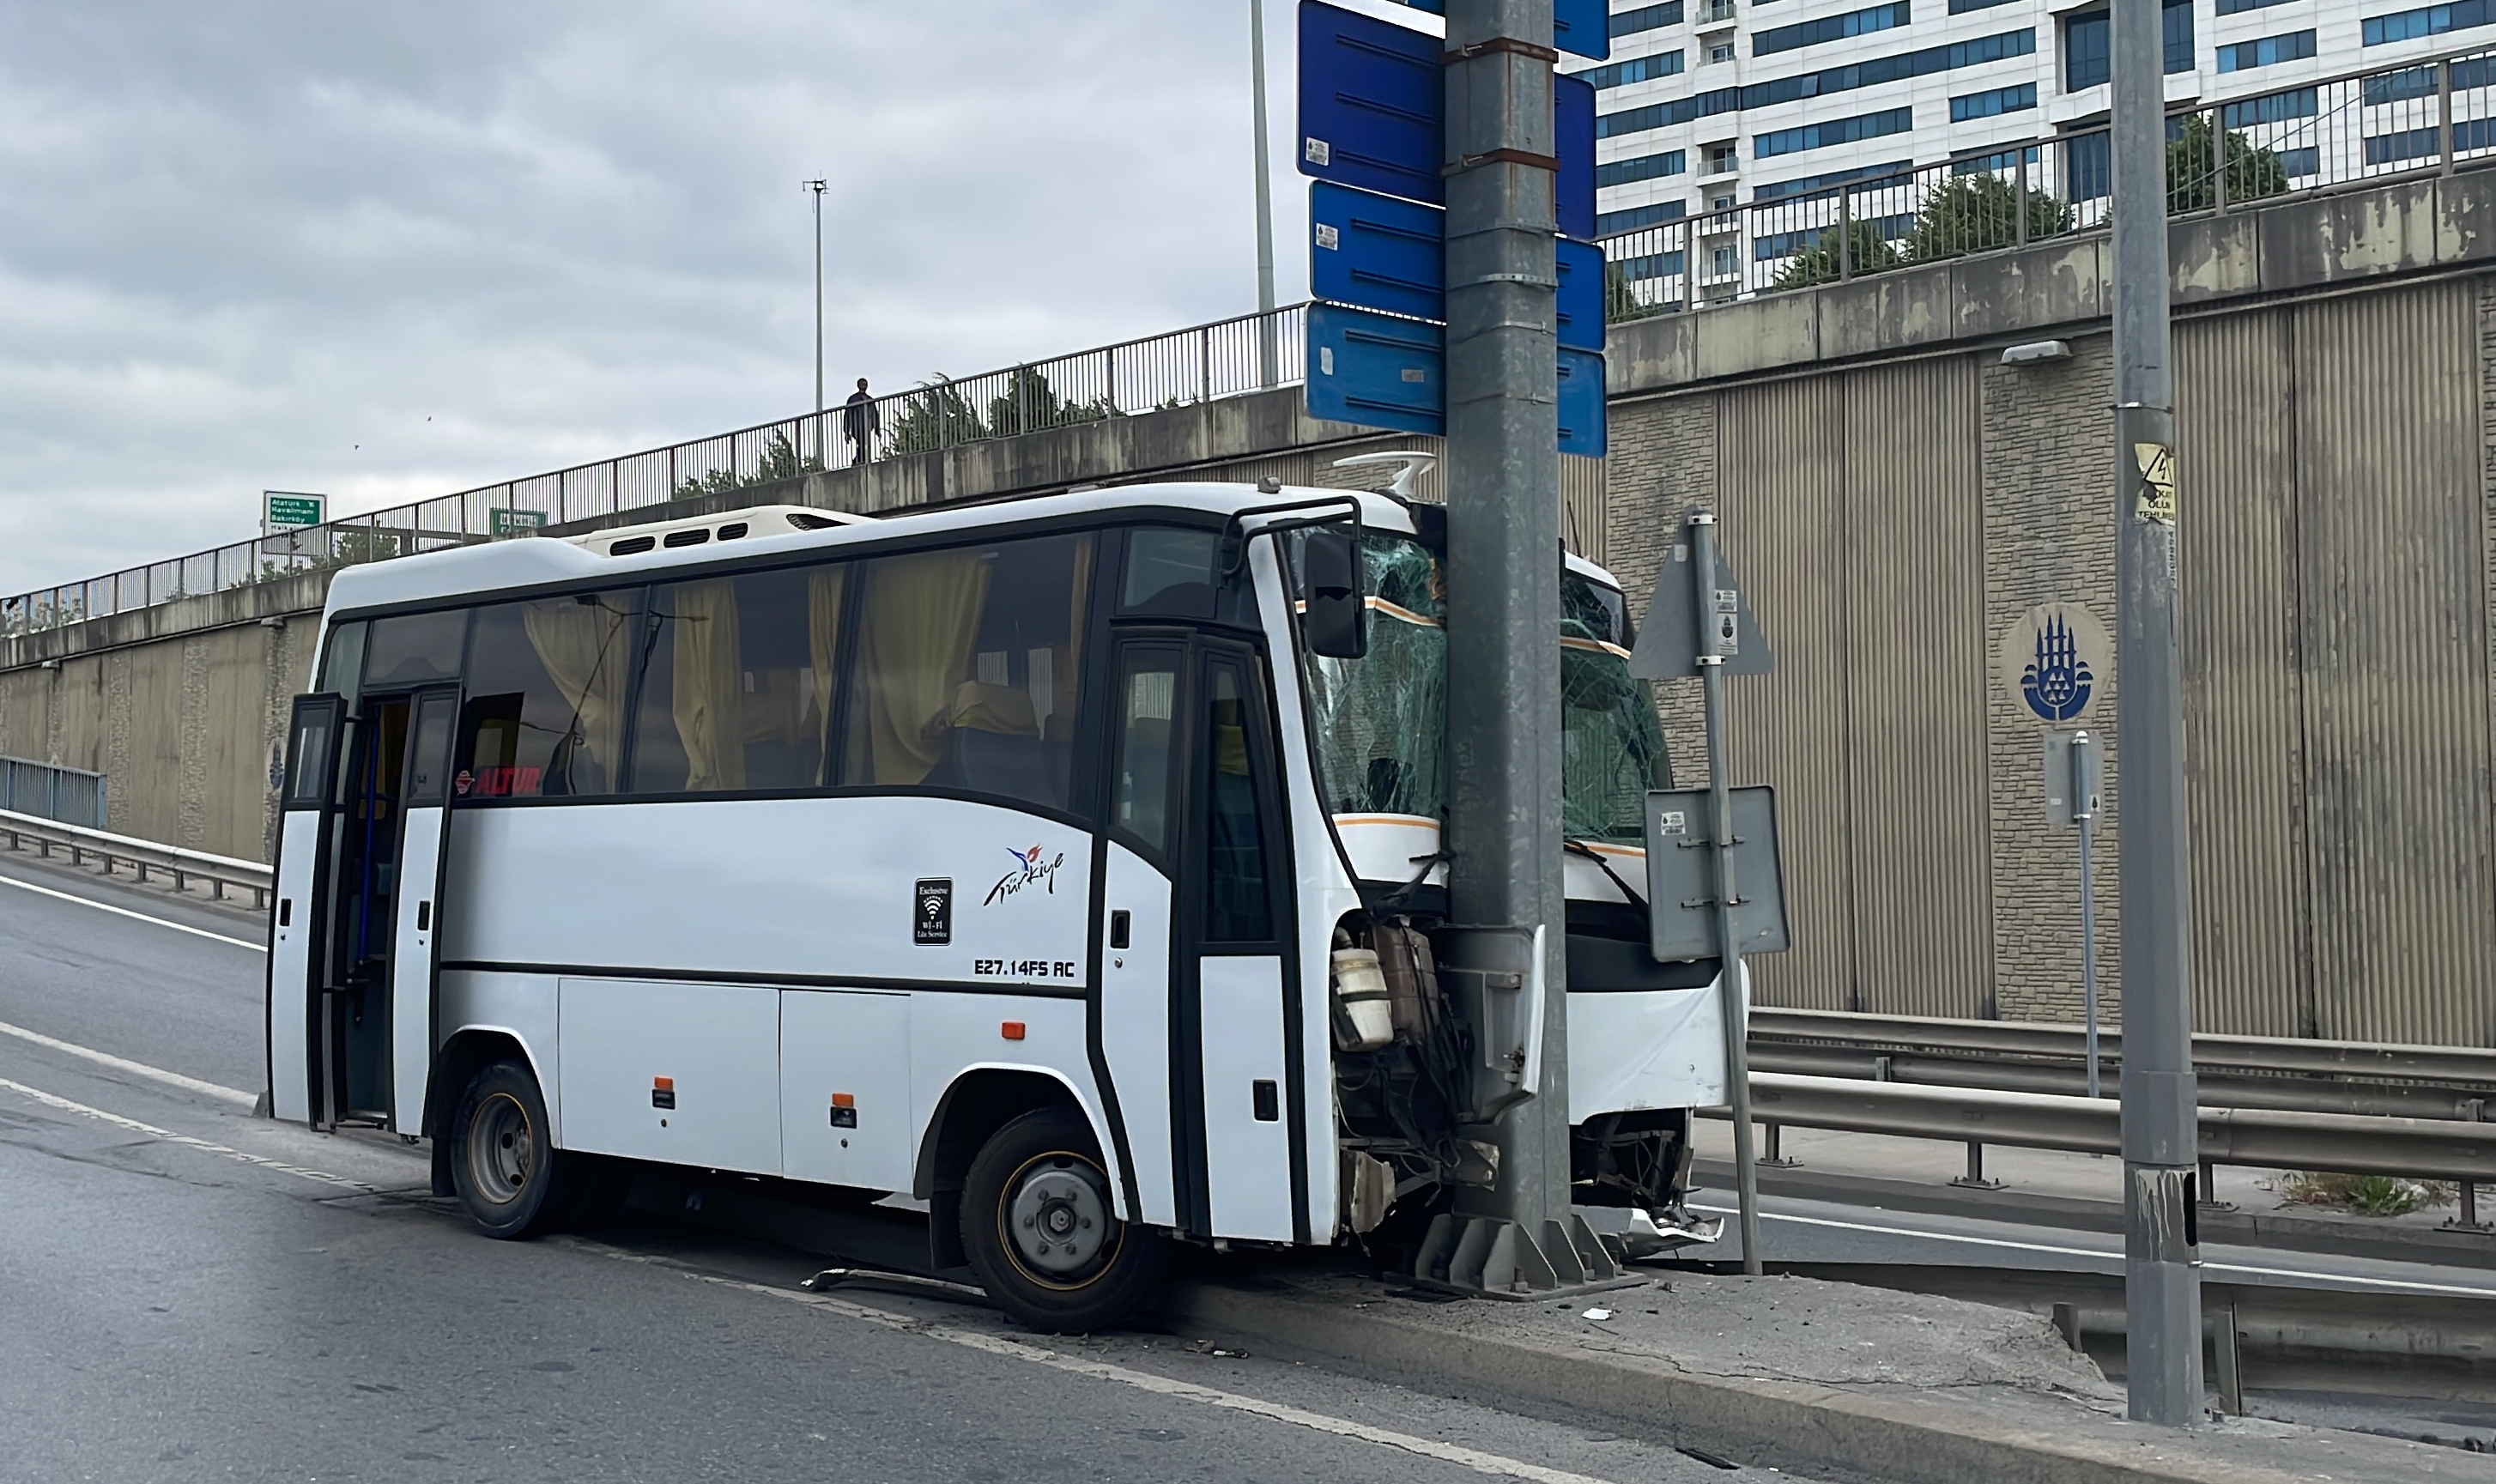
(502, 1146)
(1057, 1220)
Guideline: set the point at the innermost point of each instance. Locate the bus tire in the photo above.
(1040, 1226)
(508, 1175)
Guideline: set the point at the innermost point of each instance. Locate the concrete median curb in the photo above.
(1980, 1435)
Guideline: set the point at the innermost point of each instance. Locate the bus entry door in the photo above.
(306, 838)
(424, 839)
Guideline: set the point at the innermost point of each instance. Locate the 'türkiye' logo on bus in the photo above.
(1028, 868)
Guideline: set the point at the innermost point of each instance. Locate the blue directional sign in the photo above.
(1582, 403)
(1582, 26)
(1377, 251)
(1573, 139)
(1371, 101)
(1581, 294)
(1378, 371)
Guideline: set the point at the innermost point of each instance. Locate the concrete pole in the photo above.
(1503, 548)
(817, 187)
(2162, 1262)
(1268, 341)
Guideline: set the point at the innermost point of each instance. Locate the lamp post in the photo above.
(1268, 349)
(817, 187)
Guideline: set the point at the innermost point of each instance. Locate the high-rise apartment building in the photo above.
(1708, 105)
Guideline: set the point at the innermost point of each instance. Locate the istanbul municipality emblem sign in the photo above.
(2055, 662)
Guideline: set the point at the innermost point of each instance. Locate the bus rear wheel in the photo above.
(1040, 1226)
(509, 1174)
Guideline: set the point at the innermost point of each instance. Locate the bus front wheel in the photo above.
(509, 1174)
(1040, 1225)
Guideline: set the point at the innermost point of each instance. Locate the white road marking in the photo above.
(124, 911)
(55, 1100)
(2406, 1285)
(1491, 1463)
(216, 1089)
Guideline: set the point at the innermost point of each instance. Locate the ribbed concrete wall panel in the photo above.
(2236, 410)
(1910, 619)
(1785, 533)
(2392, 627)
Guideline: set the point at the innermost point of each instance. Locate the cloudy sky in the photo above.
(393, 251)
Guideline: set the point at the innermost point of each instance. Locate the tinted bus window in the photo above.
(342, 660)
(1238, 905)
(414, 648)
(737, 682)
(545, 711)
(1168, 572)
(968, 669)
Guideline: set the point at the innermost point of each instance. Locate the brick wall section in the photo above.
(2048, 536)
(1664, 462)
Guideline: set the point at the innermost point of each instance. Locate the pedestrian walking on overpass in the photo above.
(861, 421)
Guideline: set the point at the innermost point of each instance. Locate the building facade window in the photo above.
(2266, 51)
(2427, 20)
(1963, 7)
(2239, 7)
(1835, 131)
(2088, 44)
(1779, 190)
(1723, 159)
(1670, 162)
(1646, 68)
(1827, 28)
(1993, 102)
(1719, 51)
(1894, 68)
(1646, 17)
(1613, 222)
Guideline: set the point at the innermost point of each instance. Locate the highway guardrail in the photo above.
(222, 872)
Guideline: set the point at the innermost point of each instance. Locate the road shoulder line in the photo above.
(124, 911)
(215, 1090)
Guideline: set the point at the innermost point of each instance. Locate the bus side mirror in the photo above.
(1335, 623)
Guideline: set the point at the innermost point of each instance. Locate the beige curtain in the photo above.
(710, 684)
(824, 591)
(583, 646)
(920, 618)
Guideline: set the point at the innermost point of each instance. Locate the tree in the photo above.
(934, 416)
(1621, 303)
(779, 461)
(2193, 171)
(1979, 212)
(1029, 404)
(1866, 252)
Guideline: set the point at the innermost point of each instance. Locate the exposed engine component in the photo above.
(1363, 1016)
(1628, 1173)
(1399, 1095)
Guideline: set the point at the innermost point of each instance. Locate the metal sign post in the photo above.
(1698, 623)
(2161, 1131)
(2073, 767)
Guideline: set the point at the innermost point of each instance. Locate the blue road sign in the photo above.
(1582, 26)
(1371, 104)
(1377, 371)
(1573, 139)
(1581, 294)
(1377, 251)
(1582, 403)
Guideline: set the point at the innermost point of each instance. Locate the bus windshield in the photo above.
(1611, 745)
(1380, 721)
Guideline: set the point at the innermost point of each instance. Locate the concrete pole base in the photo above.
(1490, 1256)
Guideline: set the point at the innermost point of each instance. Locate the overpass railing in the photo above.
(50, 791)
(2422, 116)
(1203, 363)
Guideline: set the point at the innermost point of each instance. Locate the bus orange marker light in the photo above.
(1011, 1029)
(662, 1093)
(844, 1099)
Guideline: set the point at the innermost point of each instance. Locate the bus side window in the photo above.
(544, 713)
(1238, 902)
(968, 669)
(736, 681)
(1147, 714)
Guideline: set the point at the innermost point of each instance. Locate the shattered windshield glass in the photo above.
(1381, 719)
(1611, 744)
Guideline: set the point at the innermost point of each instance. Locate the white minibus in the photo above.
(1069, 864)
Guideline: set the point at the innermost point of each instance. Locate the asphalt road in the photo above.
(193, 1293)
(190, 1292)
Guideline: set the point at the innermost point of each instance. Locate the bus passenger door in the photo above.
(306, 832)
(1234, 1019)
(1136, 953)
(425, 806)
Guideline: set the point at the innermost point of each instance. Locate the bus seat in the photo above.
(993, 746)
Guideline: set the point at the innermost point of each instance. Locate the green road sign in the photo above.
(280, 511)
(512, 522)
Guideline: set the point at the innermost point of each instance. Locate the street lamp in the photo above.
(1269, 350)
(817, 186)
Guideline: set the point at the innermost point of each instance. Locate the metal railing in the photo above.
(2423, 116)
(1204, 363)
(22, 831)
(50, 791)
